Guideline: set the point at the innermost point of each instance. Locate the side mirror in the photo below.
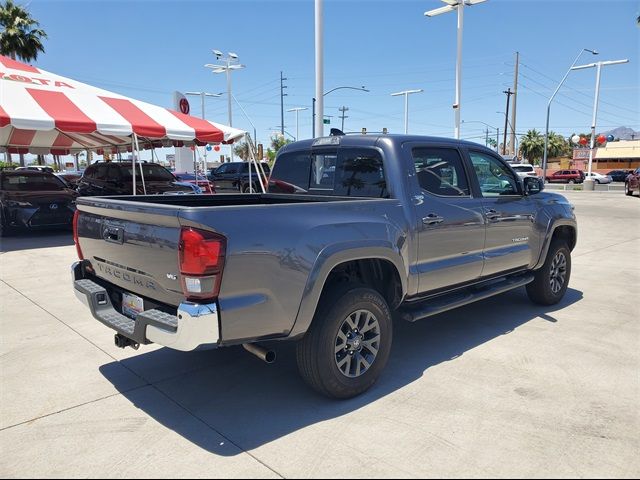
(533, 185)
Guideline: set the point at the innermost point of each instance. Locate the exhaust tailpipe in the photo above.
(267, 356)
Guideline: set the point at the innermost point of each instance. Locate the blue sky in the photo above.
(148, 49)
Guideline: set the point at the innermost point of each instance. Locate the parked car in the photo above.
(30, 199)
(403, 227)
(524, 169)
(599, 178)
(38, 168)
(619, 175)
(201, 181)
(70, 178)
(566, 176)
(632, 183)
(116, 178)
(234, 177)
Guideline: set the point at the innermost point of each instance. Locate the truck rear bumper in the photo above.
(194, 324)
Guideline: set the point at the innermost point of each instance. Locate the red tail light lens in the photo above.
(201, 262)
(75, 234)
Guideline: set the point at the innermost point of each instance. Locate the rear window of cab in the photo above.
(345, 172)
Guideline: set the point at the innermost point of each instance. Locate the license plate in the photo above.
(132, 305)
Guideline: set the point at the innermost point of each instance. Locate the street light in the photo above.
(297, 109)
(546, 128)
(406, 94)
(202, 95)
(589, 181)
(230, 62)
(456, 5)
(313, 115)
(487, 132)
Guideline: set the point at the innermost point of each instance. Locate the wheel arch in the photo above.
(378, 267)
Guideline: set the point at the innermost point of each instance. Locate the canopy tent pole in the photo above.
(259, 169)
(133, 170)
(137, 157)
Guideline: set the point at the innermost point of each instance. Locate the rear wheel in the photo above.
(551, 281)
(572, 181)
(348, 344)
(627, 189)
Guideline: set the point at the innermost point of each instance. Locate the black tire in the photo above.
(627, 191)
(545, 288)
(572, 181)
(320, 352)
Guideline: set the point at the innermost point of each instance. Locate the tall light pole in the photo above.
(202, 95)
(456, 5)
(589, 181)
(313, 108)
(406, 94)
(297, 110)
(546, 128)
(318, 123)
(229, 63)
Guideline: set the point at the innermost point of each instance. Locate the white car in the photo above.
(524, 170)
(599, 178)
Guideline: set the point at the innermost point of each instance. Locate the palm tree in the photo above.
(558, 145)
(532, 146)
(20, 36)
(242, 150)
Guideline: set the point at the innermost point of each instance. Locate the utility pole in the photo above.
(342, 110)
(506, 120)
(486, 136)
(282, 95)
(513, 107)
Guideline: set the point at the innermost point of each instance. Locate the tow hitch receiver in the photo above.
(123, 342)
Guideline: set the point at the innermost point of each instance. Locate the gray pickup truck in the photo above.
(355, 232)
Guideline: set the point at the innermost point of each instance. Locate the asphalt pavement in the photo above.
(501, 388)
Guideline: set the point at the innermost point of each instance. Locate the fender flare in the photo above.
(554, 225)
(333, 256)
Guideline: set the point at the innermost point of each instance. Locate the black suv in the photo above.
(116, 178)
(234, 177)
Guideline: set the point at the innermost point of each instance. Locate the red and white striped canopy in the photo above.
(41, 113)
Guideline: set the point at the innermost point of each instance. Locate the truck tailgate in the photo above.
(133, 245)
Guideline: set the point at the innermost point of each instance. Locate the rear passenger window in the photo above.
(440, 171)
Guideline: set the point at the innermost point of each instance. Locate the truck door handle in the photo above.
(432, 219)
(492, 214)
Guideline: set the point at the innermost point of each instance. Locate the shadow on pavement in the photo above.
(252, 403)
(30, 239)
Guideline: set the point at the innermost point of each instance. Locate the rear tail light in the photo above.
(201, 263)
(76, 215)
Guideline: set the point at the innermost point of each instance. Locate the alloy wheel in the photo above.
(558, 273)
(357, 343)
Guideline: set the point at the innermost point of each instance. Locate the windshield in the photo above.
(152, 173)
(522, 168)
(31, 183)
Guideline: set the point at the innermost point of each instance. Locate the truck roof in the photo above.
(372, 139)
